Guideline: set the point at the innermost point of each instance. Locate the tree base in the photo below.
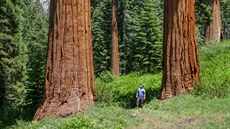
(62, 108)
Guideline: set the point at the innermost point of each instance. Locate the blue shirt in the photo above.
(141, 92)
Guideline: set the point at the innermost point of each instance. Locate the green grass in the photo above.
(215, 70)
(208, 107)
(186, 111)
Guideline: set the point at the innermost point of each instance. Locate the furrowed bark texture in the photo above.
(213, 30)
(180, 60)
(115, 55)
(69, 81)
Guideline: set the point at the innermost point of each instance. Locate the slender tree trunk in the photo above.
(213, 30)
(180, 60)
(69, 82)
(115, 55)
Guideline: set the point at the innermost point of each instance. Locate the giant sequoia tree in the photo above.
(180, 60)
(214, 28)
(115, 56)
(69, 71)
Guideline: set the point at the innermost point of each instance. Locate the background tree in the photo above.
(19, 43)
(69, 69)
(115, 56)
(203, 18)
(180, 60)
(128, 23)
(12, 55)
(140, 27)
(131, 16)
(101, 29)
(225, 18)
(36, 38)
(149, 40)
(213, 30)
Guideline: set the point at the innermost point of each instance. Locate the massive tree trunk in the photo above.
(180, 60)
(213, 29)
(115, 55)
(69, 82)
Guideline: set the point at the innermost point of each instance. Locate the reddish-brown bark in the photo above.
(69, 81)
(180, 60)
(115, 55)
(213, 30)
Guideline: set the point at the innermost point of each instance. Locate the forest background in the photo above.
(24, 28)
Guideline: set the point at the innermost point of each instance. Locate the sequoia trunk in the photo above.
(213, 29)
(115, 55)
(180, 60)
(69, 82)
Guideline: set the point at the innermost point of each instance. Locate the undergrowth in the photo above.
(215, 70)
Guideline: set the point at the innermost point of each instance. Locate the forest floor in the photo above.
(182, 112)
(194, 113)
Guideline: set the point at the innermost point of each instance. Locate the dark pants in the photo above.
(140, 101)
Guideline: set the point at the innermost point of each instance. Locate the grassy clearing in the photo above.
(186, 111)
(208, 107)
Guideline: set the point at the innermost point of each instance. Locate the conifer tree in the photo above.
(129, 25)
(149, 39)
(101, 29)
(36, 37)
(131, 11)
(225, 17)
(133, 35)
(12, 53)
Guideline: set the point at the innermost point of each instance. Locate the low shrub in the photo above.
(78, 123)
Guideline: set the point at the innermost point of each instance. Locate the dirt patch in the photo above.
(187, 121)
(148, 120)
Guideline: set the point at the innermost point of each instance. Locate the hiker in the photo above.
(140, 96)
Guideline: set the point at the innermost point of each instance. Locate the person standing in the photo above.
(140, 96)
